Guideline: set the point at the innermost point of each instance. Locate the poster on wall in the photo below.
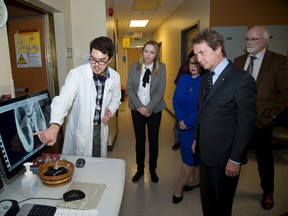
(27, 47)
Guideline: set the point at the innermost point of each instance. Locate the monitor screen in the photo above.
(19, 118)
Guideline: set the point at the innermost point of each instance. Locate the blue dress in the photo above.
(185, 106)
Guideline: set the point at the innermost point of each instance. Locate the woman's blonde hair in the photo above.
(156, 60)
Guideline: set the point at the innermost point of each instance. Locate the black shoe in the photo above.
(177, 200)
(267, 201)
(175, 146)
(154, 177)
(137, 176)
(189, 188)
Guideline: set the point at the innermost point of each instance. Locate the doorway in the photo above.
(32, 48)
(186, 38)
(133, 54)
(27, 54)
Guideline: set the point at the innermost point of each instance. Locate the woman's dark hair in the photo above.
(190, 55)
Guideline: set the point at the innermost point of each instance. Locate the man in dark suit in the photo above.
(226, 122)
(270, 71)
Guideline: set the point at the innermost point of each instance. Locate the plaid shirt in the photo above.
(99, 84)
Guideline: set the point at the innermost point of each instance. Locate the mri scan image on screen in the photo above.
(29, 118)
(20, 118)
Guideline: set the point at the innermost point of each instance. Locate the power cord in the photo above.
(39, 198)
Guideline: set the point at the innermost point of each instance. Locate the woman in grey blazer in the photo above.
(145, 88)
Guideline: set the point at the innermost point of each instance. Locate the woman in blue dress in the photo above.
(185, 106)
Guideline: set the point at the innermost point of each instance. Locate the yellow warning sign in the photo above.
(21, 60)
(126, 42)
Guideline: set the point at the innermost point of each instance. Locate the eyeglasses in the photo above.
(101, 62)
(252, 39)
(194, 63)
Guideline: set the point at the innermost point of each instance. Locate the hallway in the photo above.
(146, 198)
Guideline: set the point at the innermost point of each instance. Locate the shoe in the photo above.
(137, 176)
(154, 177)
(189, 188)
(177, 200)
(267, 201)
(175, 146)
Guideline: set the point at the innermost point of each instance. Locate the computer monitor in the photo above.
(19, 118)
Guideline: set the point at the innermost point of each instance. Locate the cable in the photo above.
(39, 198)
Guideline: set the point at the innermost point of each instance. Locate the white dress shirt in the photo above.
(256, 63)
(144, 92)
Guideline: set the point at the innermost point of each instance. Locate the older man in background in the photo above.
(270, 70)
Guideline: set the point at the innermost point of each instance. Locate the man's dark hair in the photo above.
(212, 38)
(104, 45)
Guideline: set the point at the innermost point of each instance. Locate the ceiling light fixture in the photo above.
(138, 23)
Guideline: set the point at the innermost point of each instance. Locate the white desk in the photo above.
(96, 170)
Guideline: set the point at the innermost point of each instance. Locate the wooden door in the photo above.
(133, 54)
(27, 54)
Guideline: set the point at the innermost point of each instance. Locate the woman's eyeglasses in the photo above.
(195, 64)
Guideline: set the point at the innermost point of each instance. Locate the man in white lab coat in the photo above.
(89, 98)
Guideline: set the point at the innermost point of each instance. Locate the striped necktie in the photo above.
(251, 64)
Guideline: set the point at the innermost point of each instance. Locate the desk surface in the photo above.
(96, 170)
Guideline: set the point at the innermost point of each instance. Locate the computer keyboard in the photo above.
(45, 210)
(76, 212)
(36, 210)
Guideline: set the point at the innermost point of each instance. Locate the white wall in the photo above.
(278, 38)
(5, 71)
(63, 36)
(88, 22)
(75, 26)
(233, 39)
(169, 33)
(235, 45)
(111, 31)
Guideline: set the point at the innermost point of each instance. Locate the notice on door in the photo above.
(28, 48)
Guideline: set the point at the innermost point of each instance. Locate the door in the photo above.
(186, 39)
(27, 54)
(133, 54)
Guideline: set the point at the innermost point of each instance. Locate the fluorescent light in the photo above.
(138, 23)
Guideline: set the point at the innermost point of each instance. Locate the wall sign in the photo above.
(27, 47)
(126, 42)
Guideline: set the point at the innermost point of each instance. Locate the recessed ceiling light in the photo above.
(138, 23)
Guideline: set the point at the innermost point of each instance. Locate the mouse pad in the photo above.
(93, 194)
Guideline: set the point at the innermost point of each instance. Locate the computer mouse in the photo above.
(73, 195)
(80, 162)
(60, 171)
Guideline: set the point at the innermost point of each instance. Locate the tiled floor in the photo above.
(146, 198)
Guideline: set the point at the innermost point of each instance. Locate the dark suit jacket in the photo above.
(272, 86)
(226, 120)
(157, 89)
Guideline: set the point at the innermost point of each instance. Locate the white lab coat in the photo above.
(77, 101)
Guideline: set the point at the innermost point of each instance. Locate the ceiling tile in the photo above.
(146, 4)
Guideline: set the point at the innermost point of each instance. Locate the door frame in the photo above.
(185, 44)
(49, 47)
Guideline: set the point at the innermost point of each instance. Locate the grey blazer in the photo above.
(157, 89)
(227, 119)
